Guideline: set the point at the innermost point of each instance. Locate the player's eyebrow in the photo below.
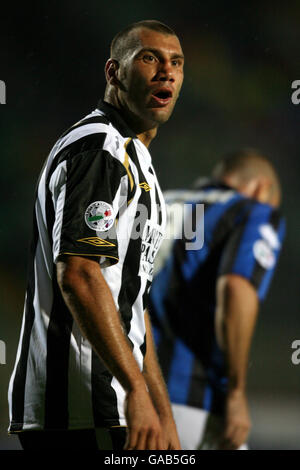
(177, 56)
(157, 52)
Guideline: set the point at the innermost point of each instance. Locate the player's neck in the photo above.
(144, 130)
(147, 136)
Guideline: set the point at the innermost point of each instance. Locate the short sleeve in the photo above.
(86, 194)
(253, 248)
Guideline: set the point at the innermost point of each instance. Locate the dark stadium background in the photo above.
(240, 63)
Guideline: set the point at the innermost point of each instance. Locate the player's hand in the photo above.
(237, 421)
(144, 430)
(170, 433)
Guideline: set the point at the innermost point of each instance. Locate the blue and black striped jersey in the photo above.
(241, 236)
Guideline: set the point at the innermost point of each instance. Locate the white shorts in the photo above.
(198, 429)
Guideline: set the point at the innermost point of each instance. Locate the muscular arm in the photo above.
(90, 301)
(236, 313)
(158, 391)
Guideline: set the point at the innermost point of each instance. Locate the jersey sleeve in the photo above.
(86, 194)
(253, 248)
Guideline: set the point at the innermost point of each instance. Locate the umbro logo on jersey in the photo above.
(145, 186)
(96, 241)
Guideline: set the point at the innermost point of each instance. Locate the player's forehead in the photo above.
(143, 38)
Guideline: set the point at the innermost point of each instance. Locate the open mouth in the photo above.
(162, 96)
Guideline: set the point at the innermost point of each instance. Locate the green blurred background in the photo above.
(240, 63)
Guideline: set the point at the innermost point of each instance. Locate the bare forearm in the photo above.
(92, 306)
(153, 376)
(237, 307)
(158, 391)
(236, 316)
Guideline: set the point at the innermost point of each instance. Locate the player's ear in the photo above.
(261, 192)
(110, 70)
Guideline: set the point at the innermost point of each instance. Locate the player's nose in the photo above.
(165, 72)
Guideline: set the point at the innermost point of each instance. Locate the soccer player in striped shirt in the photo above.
(205, 298)
(83, 372)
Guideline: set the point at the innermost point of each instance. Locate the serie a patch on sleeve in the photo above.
(99, 216)
(264, 248)
(264, 254)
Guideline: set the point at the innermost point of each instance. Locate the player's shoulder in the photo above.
(267, 221)
(94, 122)
(172, 196)
(260, 210)
(208, 192)
(93, 133)
(183, 195)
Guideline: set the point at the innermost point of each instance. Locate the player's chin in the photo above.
(161, 115)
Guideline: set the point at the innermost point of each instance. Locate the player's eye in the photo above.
(148, 58)
(176, 62)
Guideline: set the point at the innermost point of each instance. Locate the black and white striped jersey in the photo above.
(97, 195)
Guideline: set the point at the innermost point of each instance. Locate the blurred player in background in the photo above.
(205, 299)
(84, 377)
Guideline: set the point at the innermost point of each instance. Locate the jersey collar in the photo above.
(116, 119)
(203, 183)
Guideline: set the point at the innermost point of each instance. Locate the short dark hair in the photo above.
(119, 45)
(246, 162)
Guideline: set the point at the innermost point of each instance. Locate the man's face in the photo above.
(151, 76)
